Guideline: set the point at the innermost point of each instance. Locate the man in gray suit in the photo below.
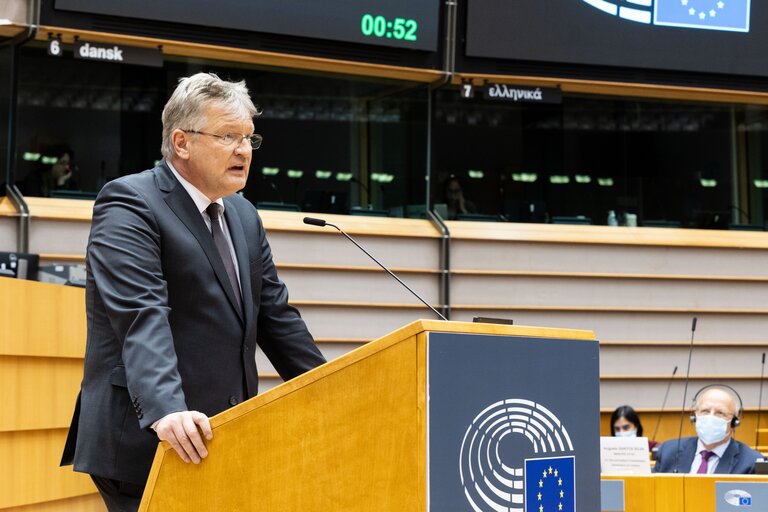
(181, 287)
(716, 414)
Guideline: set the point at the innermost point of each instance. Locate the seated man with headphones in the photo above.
(716, 413)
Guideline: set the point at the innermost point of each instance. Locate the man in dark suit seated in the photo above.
(181, 287)
(716, 413)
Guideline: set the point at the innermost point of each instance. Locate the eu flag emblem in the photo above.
(728, 15)
(550, 484)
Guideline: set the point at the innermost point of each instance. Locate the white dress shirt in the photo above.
(202, 202)
(714, 459)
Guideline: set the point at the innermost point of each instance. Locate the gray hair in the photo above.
(186, 106)
(735, 398)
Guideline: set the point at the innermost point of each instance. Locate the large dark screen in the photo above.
(399, 23)
(715, 36)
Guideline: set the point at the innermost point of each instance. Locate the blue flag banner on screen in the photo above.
(550, 484)
(729, 15)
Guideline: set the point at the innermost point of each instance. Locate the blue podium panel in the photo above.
(513, 424)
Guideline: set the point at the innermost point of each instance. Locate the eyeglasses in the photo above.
(229, 139)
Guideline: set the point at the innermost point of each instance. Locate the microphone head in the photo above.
(693, 325)
(763, 357)
(674, 372)
(314, 222)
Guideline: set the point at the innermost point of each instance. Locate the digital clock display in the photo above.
(398, 23)
(379, 26)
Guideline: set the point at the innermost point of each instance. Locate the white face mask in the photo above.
(627, 433)
(711, 429)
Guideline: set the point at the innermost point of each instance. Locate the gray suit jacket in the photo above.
(738, 458)
(164, 330)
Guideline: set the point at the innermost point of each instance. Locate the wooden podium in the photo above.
(352, 434)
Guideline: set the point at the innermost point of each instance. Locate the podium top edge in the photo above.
(397, 336)
(424, 325)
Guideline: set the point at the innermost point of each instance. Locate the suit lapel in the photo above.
(729, 457)
(184, 207)
(687, 454)
(240, 243)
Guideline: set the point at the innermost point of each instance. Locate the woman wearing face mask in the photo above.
(626, 423)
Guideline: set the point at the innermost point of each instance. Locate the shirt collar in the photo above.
(200, 199)
(719, 451)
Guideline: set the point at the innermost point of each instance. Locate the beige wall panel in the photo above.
(16, 11)
(8, 230)
(644, 326)
(61, 237)
(330, 350)
(30, 472)
(86, 503)
(615, 360)
(39, 392)
(650, 393)
(562, 257)
(590, 292)
(267, 382)
(344, 286)
(41, 319)
(334, 249)
(359, 322)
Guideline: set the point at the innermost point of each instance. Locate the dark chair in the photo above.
(661, 223)
(369, 213)
(477, 217)
(72, 194)
(578, 219)
(416, 211)
(283, 207)
(525, 211)
(746, 227)
(324, 201)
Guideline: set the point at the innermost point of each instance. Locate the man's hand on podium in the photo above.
(180, 429)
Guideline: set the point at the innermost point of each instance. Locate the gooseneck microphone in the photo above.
(664, 403)
(760, 402)
(321, 223)
(685, 396)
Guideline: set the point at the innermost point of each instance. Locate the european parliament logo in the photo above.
(496, 480)
(725, 15)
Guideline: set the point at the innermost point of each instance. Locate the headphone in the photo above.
(736, 420)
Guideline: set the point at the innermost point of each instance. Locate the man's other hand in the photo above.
(180, 429)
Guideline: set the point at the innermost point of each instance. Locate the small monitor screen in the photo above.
(19, 265)
(710, 36)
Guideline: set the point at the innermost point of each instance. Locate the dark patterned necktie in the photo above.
(223, 248)
(705, 455)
